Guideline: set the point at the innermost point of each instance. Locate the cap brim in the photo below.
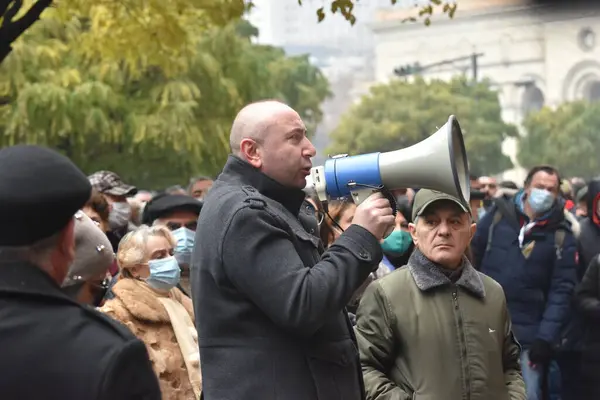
(430, 202)
(123, 190)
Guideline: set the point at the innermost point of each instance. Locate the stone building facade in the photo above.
(534, 56)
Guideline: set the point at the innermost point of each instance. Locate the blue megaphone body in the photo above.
(438, 163)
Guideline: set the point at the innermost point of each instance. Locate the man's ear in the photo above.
(412, 229)
(250, 151)
(473, 229)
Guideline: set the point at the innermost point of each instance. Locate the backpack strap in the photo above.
(497, 218)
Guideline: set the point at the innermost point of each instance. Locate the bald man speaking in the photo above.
(269, 301)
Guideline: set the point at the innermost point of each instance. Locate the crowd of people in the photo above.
(245, 287)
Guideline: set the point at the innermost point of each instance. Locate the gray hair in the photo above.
(132, 248)
(36, 253)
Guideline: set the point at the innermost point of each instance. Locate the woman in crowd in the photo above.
(98, 210)
(148, 303)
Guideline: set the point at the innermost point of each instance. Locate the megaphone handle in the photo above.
(361, 192)
(359, 195)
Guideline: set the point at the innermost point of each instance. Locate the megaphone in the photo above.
(438, 163)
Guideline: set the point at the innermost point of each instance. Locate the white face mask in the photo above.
(119, 216)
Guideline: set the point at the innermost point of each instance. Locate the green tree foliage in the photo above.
(567, 138)
(400, 114)
(135, 33)
(156, 32)
(153, 127)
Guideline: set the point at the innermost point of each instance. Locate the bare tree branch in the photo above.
(10, 12)
(4, 6)
(11, 30)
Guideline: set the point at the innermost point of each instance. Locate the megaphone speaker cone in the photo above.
(438, 162)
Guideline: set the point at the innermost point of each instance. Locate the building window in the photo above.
(592, 91)
(587, 39)
(533, 100)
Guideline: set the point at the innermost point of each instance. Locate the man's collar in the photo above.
(428, 275)
(290, 198)
(22, 277)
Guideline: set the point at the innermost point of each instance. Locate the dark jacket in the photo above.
(269, 303)
(588, 247)
(411, 331)
(538, 284)
(589, 239)
(53, 347)
(588, 303)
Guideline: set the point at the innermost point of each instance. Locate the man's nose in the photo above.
(310, 149)
(443, 229)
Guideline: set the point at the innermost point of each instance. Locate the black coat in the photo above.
(588, 302)
(54, 348)
(269, 306)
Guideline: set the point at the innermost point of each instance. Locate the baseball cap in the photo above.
(108, 182)
(425, 197)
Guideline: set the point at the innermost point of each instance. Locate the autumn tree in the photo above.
(152, 127)
(137, 34)
(567, 138)
(156, 32)
(400, 114)
(420, 10)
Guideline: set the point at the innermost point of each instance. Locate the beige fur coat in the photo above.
(137, 306)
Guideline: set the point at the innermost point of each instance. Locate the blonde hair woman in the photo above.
(148, 303)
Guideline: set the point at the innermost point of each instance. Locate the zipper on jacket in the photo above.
(463, 343)
(455, 298)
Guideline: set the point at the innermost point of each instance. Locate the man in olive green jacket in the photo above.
(437, 329)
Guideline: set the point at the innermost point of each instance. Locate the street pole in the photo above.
(475, 65)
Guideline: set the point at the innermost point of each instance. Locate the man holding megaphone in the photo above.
(269, 301)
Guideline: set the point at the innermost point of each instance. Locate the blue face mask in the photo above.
(164, 273)
(185, 244)
(397, 242)
(540, 200)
